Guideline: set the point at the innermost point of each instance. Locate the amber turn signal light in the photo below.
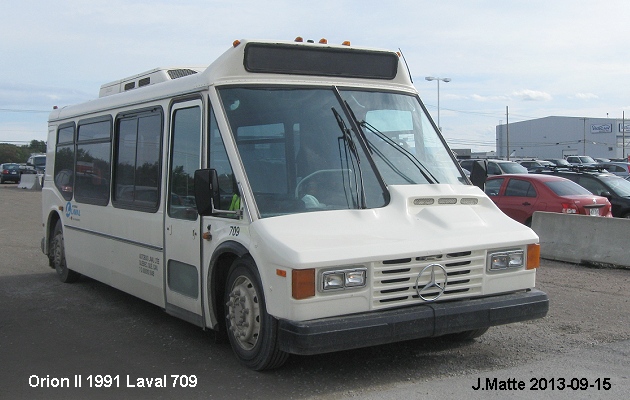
(533, 256)
(303, 283)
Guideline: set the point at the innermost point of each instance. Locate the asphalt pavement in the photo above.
(89, 341)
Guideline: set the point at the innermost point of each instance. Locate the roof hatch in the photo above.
(147, 78)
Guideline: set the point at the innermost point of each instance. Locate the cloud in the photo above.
(477, 97)
(532, 95)
(584, 96)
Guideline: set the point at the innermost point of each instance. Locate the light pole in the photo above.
(432, 78)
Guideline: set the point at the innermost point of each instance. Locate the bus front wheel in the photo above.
(251, 330)
(59, 257)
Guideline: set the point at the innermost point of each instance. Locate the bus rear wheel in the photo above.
(252, 332)
(65, 274)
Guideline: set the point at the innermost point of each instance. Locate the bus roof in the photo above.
(256, 61)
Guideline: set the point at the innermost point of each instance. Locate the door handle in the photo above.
(527, 203)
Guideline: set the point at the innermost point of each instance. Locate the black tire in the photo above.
(466, 335)
(253, 334)
(65, 274)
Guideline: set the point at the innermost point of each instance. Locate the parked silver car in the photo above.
(621, 169)
(581, 160)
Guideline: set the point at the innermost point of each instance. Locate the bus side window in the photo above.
(137, 172)
(218, 160)
(64, 161)
(93, 161)
(184, 161)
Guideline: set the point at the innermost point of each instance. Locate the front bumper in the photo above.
(425, 320)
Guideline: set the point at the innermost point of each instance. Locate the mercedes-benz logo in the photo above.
(437, 281)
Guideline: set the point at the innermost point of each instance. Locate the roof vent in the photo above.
(147, 78)
(180, 73)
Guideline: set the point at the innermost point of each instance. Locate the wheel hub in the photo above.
(244, 313)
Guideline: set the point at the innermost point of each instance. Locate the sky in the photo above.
(507, 60)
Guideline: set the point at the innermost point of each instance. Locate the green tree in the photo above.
(37, 146)
(10, 153)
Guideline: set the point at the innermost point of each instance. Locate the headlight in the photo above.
(343, 279)
(506, 259)
(333, 280)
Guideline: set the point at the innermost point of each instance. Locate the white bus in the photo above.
(294, 196)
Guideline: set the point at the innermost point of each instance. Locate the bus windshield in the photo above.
(307, 149)
(402, 141)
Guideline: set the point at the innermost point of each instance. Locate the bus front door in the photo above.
(182, 223)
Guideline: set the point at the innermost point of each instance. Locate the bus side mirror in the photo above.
(206, 190)
(479, 174)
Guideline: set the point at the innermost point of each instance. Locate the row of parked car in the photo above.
(521, 188)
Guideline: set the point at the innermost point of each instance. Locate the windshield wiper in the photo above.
(423, 170)
(346, 137)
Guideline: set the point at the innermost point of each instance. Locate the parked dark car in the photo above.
(614, 188)
(536, 165)
(519, 196)
(10, 172)
(497, 167)
(559, 162)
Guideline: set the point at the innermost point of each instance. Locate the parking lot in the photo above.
(112, 343)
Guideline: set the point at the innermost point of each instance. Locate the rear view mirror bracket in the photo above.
(207, 194)
(479, 173)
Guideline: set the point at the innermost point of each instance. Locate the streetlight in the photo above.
(431, 78)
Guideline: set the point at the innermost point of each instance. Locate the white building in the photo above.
(557, 137)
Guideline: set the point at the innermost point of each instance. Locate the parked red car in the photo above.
(519, 196)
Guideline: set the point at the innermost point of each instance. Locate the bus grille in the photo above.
(394, 281)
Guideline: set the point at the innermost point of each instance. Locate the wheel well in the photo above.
(220, 269)
(53, 219)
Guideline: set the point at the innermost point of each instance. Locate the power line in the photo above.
(484, 114)
(23, 111)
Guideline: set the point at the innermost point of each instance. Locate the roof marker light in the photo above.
(236, 43)
(323, 41)
(299, 39)
(346, 43)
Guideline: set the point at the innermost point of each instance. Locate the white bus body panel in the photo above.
(123, 250)
(350, 238)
